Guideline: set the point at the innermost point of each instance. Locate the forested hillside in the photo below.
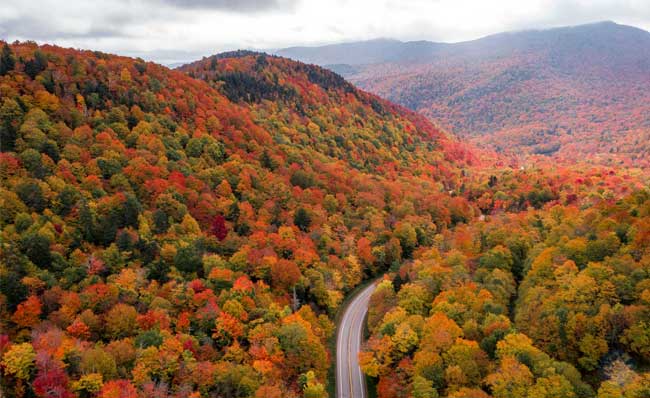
(558, 92)
(540, 303)
(193, 232)
(162, 236)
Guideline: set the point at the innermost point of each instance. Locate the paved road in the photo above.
(350, 382)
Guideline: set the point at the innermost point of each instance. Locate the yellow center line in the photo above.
(350, 351)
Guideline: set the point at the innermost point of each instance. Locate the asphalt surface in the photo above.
(350, 381)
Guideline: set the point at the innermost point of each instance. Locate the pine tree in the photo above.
(7, 60)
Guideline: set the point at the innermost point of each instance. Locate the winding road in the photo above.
(350, 382)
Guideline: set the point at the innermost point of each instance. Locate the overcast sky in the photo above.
(169, 31)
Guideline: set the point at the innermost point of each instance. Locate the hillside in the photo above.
(564, 91)
(175, 233)
(550, 303)
(163, 236)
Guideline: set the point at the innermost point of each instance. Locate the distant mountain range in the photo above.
(568, 90)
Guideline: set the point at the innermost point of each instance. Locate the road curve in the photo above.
(350, 382)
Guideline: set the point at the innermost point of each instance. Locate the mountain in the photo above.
(193, 232)
(564, 91)
(366, 52)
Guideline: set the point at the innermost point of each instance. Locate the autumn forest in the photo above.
(196, 232)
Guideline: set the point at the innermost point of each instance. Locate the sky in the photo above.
(175, 31)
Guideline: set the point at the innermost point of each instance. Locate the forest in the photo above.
(552, 92)
(540, 303)
(193, 233)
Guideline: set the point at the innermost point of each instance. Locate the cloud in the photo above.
(252, 6)
(34, 28)
(575, 12)
(172, 31)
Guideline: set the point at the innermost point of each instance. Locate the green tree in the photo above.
(7, 60)
(37, 248)
(423, 388)
(497, 257)
(31, 194)
(302, 179)
(637, 339)
(408, 238)
(150, 338)
(37, 64)
(11, 116)
(188, 259)
(302, 219)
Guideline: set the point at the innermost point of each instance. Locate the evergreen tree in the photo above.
(7, 60)
(302, 219)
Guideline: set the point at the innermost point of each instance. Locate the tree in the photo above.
(31, 194)
(497, 257)
(218, 228)
(51, 379)
(512, 379)
(302, 179)
(284, 273)
(407, 238)
(405, 339)
(11, 117)
(97, 360)
(37, 248)
(150, 338)
(423, 388)
(414, 298)
(7, 60)
(598, 249)
(121, 321)
(160, 221)
(37, 64)
(227, 329)
(78, 329)
(468, 362)
(593, 348)
(302, 349)
(89, 384)
(311, 387)
(302, 219)
(28, 313)
(266, 161)
(18, 361)
(188, 259)
(118, 389)
(637, 338)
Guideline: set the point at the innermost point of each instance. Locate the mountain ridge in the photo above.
(321, 55)
(557, 91)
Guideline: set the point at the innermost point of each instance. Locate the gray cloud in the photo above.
(33, 28)
(251, 6)
(171, 31)
(574, 12)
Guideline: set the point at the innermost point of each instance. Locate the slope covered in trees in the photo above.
(192, 233)
(164, 236)
(541, 303)
(565, 91)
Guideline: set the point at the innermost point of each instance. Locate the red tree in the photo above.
(51, 379)
(218, 228)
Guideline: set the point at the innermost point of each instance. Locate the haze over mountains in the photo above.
(561, 91)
